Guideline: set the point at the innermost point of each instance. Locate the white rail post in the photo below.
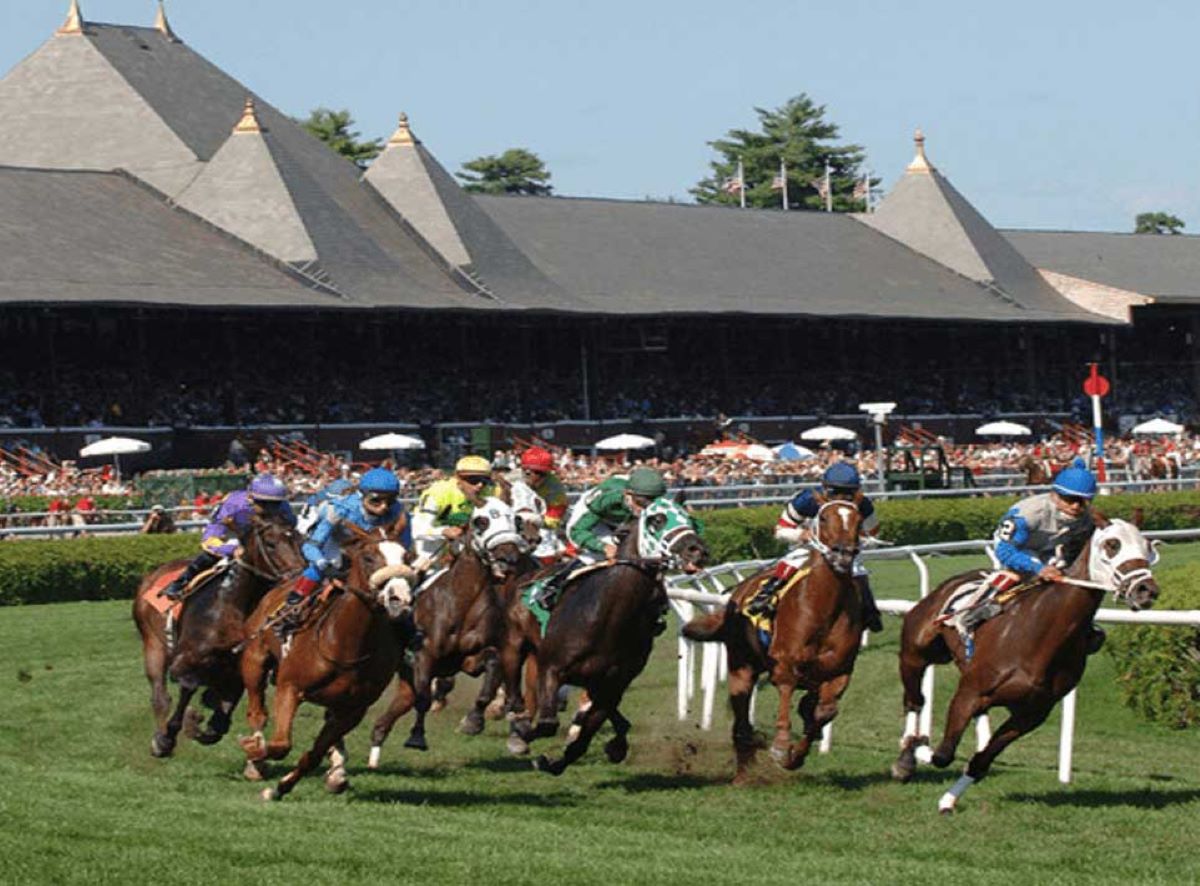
(709, 681)
(1066, 738)
(925, 723)
(683, 689)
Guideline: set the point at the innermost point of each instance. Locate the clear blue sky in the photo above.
(1074, 114)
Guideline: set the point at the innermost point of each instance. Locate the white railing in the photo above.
(687, 593)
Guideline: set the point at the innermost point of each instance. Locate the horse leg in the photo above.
(335, 779)
(912, 671)
(154, 653)
(521, 703)
(1024, 719)
(255, 670)
(617, 747)
(581, 709)
(222, 703)
(163, 742)
(422, 701)
(965, 705)
(287, 700)
(401, 703)
(337, 723)
(593, 719)
(547, 708)
(742, 677)
(781, 746)
(472, 723)
(442, 687)
(816, 708)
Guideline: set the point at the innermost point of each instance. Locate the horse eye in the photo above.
(1111, 547)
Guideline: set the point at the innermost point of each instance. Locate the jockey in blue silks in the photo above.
(839, 482)
(311, 511)
(1038, 537)
(267, 496)
(375, 504)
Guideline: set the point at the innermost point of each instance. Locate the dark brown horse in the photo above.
(460, 617)
(813, 644)
(199, 651)
(1026, 658)
(1038, 471)
(601, 631)
(342, 659)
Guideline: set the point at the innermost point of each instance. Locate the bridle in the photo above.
(276, 573)
(839, 557)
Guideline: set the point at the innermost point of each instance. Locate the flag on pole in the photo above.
(777, 182)
(737, 185)
(821, 183)
(862, 188)
(732, 186)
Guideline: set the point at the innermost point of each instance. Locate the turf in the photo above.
(81, 800)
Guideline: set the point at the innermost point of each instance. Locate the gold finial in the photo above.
(162, 25)
(403, 135)
(920, 163)
(74, 23)
(249, 121)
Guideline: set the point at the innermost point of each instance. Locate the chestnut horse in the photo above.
(342, 659)
(813, 644)
(600, 633)
(1026, 658)
(1039, 471)
(210, 627)
(459, 617)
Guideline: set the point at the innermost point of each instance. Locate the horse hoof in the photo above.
(268, 795)
(517, 746)
(337, 785)
(542, 763)
(941, 761)
(161, 746)
(781, 755)
(616, 749)
(373, 757)
(191, 723)
(437, 705)
(902, 772)
(573, 732)
(495, 710)
(253, 771)
(417, 743)
(471, 724)
(208, 737)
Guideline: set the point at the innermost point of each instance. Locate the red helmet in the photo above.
(537, 459)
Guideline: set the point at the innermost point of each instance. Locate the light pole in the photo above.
(879, 413)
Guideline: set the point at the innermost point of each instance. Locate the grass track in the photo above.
(81, 800)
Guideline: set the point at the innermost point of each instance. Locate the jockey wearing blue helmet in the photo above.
(839, 482)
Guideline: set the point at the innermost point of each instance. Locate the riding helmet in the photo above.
(475, 465)
(265, 487)
(537, 459)
(841, 475)
(1076, 480)
(646, 482)
(379, 480)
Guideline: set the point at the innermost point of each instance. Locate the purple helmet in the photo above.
(265, 487)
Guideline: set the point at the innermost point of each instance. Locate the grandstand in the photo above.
(178, 252)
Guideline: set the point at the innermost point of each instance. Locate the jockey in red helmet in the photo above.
(538, 467)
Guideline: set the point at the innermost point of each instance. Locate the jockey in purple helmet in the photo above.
(839, 482)
(375, 504)
(266, 497)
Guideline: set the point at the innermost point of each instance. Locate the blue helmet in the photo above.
(379, 480)
(266, 487)
(1076, 480)
(841, 475)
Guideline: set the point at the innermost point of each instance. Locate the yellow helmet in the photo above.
(473, 464)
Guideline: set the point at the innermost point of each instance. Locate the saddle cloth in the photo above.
(1000, 586)
(765, 622)
(530, 593)
(153, 594)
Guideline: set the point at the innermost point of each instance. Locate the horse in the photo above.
(342, 659)
(1156, 466)
(1038, 471)
(209, 630)
(600, 634)
(1026, 658)
(813, 643)
(459, 619)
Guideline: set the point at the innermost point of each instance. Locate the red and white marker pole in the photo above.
(1096, 387)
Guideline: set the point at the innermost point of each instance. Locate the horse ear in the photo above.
(1138, 517)
(1100, 520)
(503, 489)
(398, 527)
(359, 534)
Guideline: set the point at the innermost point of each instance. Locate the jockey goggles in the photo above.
(379, 498)
(474, 480)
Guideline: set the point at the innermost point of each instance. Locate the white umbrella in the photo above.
(1003, 429)
(392, 441)
(625, 441)
(114, 446)
(829, 432)
(1158, 426)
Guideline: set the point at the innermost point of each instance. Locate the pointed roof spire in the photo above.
(249, 121)
(162, 25)
(403, 135)
(920, 163)
(74, 23)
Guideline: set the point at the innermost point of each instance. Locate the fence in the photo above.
(713, 667)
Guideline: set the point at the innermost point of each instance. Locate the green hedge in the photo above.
(33, 504)
(98, 568)
(1159, 667)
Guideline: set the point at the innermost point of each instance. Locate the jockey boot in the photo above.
(871, 617)
(547, 595)
(291, 613)
(761, 604)
(174, 591)
(1095, 639)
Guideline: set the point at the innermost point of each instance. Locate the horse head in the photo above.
(1122, 559)
(529, 510)
(836, 534)
(496, 538)
(665, 530)
(377, 555)
(272, 548)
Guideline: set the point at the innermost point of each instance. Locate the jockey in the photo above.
(538, 467)
(1038, 538)
(266, 497)
(311, 511)
(375, 504)
(592, 526)
(840, 482)
(445, 507)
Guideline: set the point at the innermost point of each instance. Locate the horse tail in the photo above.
(707, 627)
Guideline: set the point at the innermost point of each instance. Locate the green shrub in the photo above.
(98, 568)
(1159, 667)
(34, 504)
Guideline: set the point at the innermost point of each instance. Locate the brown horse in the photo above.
(601, 631)
(1038, 471)
(1026, 658)
(342, 659)
(200, 650)
(460, 622)
(813, 644)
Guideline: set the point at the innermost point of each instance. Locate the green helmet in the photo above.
(646, 482)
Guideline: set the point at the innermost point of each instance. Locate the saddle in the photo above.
(541, 608)
(765, 622)
(981, 600)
